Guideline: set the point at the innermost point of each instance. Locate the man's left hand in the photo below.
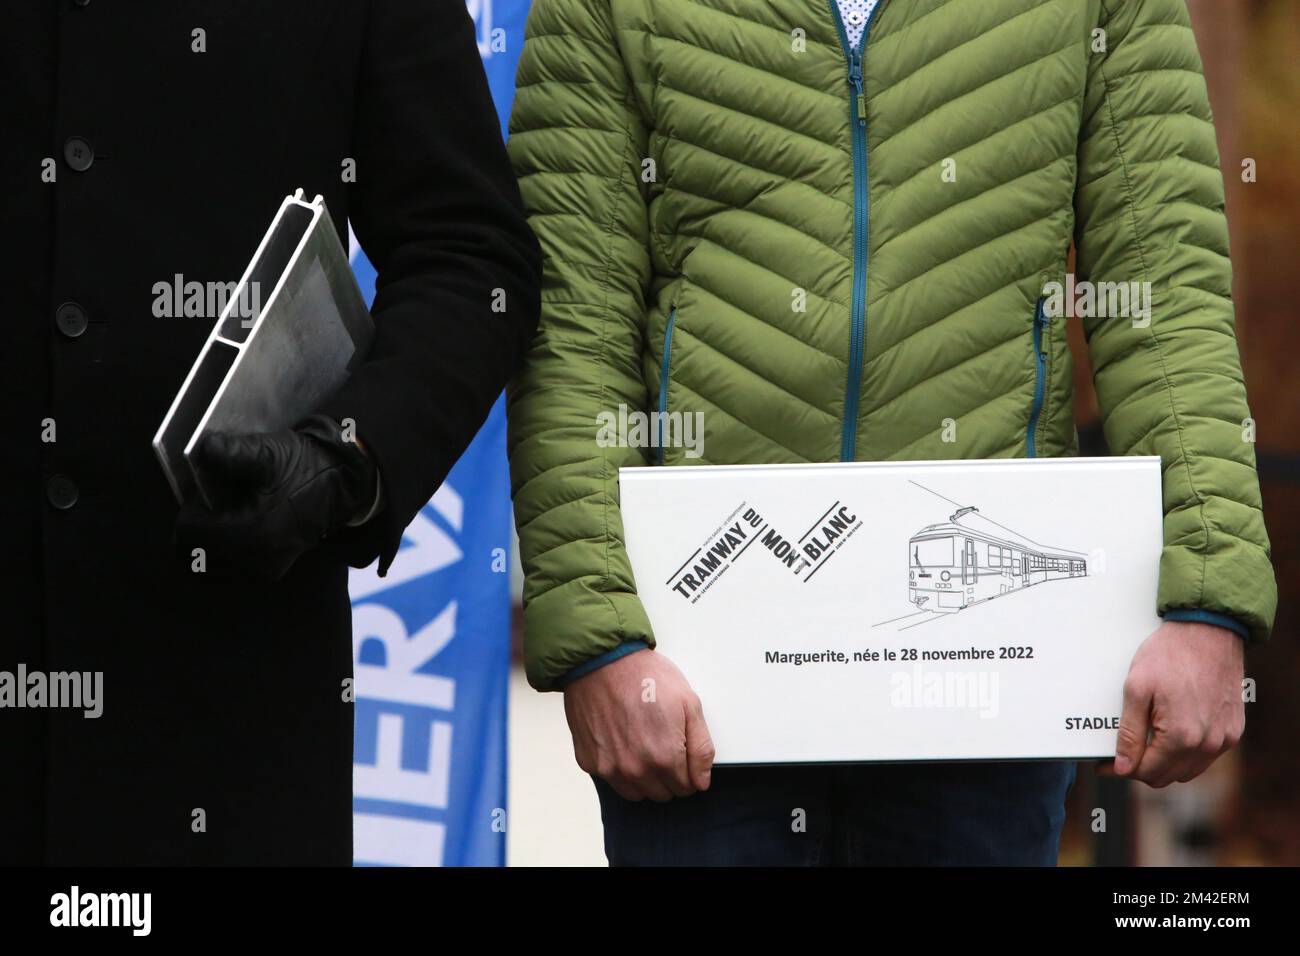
(1183, 703)
(277, 495)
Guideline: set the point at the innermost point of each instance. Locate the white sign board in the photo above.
(889, 611)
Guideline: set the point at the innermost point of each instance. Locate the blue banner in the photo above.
(432, 639)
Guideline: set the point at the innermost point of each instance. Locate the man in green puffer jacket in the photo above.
(831, 226)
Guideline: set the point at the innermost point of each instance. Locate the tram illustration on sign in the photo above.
(952, 566)
(970, 559)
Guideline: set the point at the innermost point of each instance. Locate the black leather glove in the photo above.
(276, 495)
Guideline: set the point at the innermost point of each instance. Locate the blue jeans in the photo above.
(973, 814)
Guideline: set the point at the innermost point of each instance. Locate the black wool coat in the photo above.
(169, 151)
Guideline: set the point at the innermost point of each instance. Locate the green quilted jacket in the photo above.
(841, 254)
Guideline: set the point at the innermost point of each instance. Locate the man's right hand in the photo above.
(637, 724)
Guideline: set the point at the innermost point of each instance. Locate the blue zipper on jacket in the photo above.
(1040, 377)
(663, 378)
(858, 332)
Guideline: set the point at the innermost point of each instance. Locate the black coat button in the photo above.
(71, 319)
(61, 492)
(78, 154)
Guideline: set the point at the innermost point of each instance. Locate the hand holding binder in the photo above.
(277, 495)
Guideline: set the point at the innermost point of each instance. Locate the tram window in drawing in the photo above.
(952, 566)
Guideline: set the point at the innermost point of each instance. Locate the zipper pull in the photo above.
(855, 78)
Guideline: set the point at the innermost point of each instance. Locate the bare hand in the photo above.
(1183, 703)
(637, 724)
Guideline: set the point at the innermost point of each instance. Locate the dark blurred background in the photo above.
(1246, 809)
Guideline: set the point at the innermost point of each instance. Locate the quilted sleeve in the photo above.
(576, 142)
(1150, 208)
